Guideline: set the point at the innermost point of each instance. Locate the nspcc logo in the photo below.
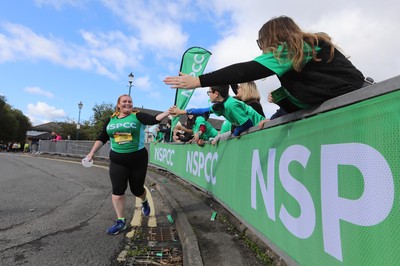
(164, 155)
(199, 163)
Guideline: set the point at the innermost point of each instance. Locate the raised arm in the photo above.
(237, 73)
(183, 81)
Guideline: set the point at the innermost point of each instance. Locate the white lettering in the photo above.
(210, 159)
(197, 64)
(163, 154)
(371, 208)
(302, 226)
(198, 161)
(189, 161)
(267, 192)
(119, 125)
(195, 162)
(186, 93)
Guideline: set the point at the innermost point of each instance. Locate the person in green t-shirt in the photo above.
(202, 130)
(308, 65)
(184, 133)
(125, 130)
(159, 136)
(225, 127)
(239, 114)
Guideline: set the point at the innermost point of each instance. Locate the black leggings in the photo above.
(128, 167)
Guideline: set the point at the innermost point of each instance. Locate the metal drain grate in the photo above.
(144, 255)
(160, 234)
(155, 246)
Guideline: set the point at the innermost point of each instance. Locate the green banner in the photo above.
(194, 61)
(322, 189)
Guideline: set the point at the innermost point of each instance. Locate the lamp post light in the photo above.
(131, 76)
(78, 126)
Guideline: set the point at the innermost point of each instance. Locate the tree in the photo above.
(68, 128)
(89, 130)
(13, 123)
(101, 113)
(7, 124)
(23, 125)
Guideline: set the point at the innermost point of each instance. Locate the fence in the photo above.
(75, 148)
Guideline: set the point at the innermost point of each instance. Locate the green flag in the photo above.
(194, 61)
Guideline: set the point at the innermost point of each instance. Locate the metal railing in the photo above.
(73, 148)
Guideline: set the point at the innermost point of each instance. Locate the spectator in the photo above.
(248, 93)
(241, 115)
(309, 66)
(225, 127)
(167, 131)
(159, 136)
(201, 130)
(55, 136)
(26, 147)
(184, 133)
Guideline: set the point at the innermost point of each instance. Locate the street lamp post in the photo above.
(131, 76)
(78, 126)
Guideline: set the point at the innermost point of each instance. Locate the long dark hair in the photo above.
(283, 31)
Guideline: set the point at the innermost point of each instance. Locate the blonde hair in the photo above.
(283, 31)
(117, 110)
(249, 91)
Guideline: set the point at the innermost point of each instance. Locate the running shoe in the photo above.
(118, 226)
(146, 208)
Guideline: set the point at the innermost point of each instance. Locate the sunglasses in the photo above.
(209, 92)
(259, 44)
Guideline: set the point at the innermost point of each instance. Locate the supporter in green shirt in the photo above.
(225, 127)
(239, 114)
(203, 131)
(309, 66)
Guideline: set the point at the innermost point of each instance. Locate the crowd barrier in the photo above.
(319, 186)
(73, 148)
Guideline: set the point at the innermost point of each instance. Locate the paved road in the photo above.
(55, 213)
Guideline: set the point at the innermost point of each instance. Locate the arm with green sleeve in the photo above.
(237, 112)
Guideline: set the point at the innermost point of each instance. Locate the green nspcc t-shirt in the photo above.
(126, 134)
(238, 112)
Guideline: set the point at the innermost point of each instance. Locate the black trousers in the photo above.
(128, 168)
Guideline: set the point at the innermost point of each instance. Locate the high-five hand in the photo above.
(183, 81)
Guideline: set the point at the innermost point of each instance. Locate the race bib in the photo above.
(122, 138)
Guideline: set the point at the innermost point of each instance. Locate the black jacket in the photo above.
(323, 80)
(314, 84)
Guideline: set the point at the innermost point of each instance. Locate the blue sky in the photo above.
(56, 53)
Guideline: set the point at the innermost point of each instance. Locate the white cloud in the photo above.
(150, 36)
(106, 53)
(42, 112)
(369, 34)
(143, 83)
(39, 91)
(113, 48)
(369, 43)
(22, 43)
(156, 23)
